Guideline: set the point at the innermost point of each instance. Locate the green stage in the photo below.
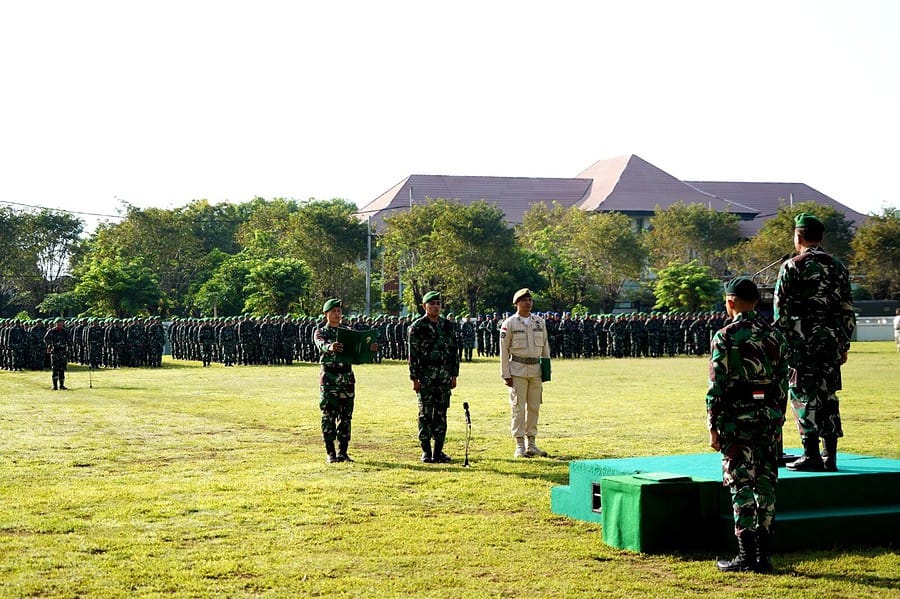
(676, 503)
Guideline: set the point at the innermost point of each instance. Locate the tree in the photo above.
(774, 242)
(586, 258)
(685, 232)
(687, 287)
(876, 249)
(276, 285)
(473, 251)
(49, 239)
(119, 287)
(222, 294)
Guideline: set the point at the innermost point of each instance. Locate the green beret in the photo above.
(805, 219)
(431, 295)
(332, 303)
(743, 288)
(520, 294)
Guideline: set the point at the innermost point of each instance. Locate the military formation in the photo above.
(94, 342)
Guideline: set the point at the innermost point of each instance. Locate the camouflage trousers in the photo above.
(434, 400)
(337, 391)
(814, 401)
(750, 471)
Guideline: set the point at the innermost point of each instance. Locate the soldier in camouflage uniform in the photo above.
(747, 386)
(337, 384)
(433, 368)
(814, 310)
(56, 340)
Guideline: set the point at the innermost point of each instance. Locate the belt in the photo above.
(337, 368)
(524, 360)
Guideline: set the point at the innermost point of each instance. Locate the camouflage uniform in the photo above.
(433, 361)
(814, 310)
(337, 388)
(747, 387)
(56, 340)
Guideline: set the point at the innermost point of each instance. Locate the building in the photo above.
(626, 184)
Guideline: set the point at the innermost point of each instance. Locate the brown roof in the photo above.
(632, 185)
(767, 198)
(513, 195)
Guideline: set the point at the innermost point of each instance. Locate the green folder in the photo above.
(545, 368)
(357, 346)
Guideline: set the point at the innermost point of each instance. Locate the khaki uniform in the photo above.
(521, 345)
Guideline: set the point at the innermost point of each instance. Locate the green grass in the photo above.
(197, 482)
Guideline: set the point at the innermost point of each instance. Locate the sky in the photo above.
(157, 104)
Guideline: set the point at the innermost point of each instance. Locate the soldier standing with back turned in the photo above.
(745, 412)
(814, 311)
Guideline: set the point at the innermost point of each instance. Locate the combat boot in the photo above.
(520, 448)
(439, 457)
(532, 450)
(763, 551)
(426, 452)
(811, 460)
(745, 560)
(62, 382)
(829, 455)
(330, 453)
(342, 451)
(55, 381)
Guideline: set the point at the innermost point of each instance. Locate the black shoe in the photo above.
(745, 560)
(63, 387)
(807, 464)
(441, 458)
(763, 549)
(332, 458)
(426, 457)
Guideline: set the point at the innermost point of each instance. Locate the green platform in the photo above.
(674, 503)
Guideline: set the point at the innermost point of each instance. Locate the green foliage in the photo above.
(585, 258)
(61, 304)
(275, 286)
(776, 239)
(687, 287)
(685, 232)
(121, 288)
(876, 249)
(222, 294)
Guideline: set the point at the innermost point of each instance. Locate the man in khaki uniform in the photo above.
(523, 341)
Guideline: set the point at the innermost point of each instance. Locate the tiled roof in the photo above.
(627, 184)
(513, 195)
(767, 198)
(630, 184)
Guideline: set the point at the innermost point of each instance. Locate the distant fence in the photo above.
(880, 328)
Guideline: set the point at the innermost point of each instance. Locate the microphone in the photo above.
(468, 416)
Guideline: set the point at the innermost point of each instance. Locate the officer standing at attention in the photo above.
(56, 340)
(523, 341)
(337, 385)
(814, 311)
(745, 412)
(433, 368)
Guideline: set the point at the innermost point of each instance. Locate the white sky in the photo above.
(159, 103)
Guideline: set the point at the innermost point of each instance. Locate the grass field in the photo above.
(199, 482)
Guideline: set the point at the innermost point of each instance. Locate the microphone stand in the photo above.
(468, 432)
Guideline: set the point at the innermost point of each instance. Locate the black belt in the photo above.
(336, 368)
(524, 360)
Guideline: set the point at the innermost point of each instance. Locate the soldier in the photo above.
(814, 310)
(745, 411)
(56, 340)
(337, 384)
(523, 341)
(467, 333)
(433, 368)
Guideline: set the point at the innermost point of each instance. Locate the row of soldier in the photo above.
(94, 342)
(246, 340)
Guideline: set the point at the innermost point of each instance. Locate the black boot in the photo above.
(763, 551)
(745, 560)
(426, 452)
(342, 451)
(811, 460)
(829, 456)
(62, 382)
(329, 451)
(439, 457)
(54, 383)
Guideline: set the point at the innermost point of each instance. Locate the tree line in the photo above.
(286, 256)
